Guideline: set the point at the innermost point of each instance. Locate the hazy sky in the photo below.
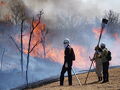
(106, 4)
(86, 7)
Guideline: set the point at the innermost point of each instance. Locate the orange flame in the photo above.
(2, 3)
(54, 54)
(39, 27)
(97, 31)
(117, 37)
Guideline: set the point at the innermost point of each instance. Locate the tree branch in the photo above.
(34, 46)
(15, 43)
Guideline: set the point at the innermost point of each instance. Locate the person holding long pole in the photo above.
(104, 22)
(98, 61)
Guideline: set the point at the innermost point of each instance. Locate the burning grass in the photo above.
(55, 54)
(97, 31)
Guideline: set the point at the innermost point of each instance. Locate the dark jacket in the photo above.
(104, 55)
(69, 56)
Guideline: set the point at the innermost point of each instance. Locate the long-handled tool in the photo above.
(93, 61)
(77, 77)
(88, 71)
(104, 21)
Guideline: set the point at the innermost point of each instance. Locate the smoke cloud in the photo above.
(64, 17)
(52, 7)
(75, 20)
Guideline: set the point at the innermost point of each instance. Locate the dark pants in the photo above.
(105, 71)
(69, 75)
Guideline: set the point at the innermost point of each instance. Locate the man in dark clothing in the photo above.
(105, 63)
(68, 60)
(105, 72)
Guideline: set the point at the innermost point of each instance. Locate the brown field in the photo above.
(92, 84)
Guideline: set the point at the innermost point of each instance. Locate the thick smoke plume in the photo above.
(77, 21)
(64, 17)
(56, 7)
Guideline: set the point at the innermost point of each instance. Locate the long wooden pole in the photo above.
(100, 35)
(88, 73)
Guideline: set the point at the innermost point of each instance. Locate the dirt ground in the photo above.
(92, 84)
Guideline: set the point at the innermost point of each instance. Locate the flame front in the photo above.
(97, 31)
(2, 3)
(117, 37)
(55, 54)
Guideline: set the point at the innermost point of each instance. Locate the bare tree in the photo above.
(0, 13)
(2, 58)
(113, 21)
(29, 43)
(21, 45)
(22, 23)
(15, 43)
(19, 16)
(17, 8)
(44, 32)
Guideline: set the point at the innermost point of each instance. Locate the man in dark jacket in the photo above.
(68, 60)
(105, 63)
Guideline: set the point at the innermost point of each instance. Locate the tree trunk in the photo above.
(29, 45)
(22, 45)
(44, 47)
(2, 58)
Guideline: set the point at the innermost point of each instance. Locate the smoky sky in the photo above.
(63, 17)
(51, 7)
(70, 18)
(73, 19)
(86, 7)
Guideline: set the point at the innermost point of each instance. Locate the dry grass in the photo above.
(92, 84)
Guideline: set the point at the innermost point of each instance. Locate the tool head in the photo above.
(104, 21)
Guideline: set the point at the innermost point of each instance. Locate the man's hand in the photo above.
(91, 59)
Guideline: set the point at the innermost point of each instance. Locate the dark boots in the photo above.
(99, 78)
